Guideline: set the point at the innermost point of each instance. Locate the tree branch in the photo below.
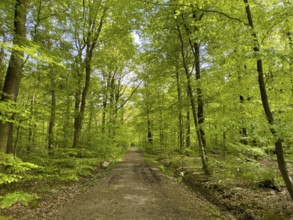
(225, 15)
(126, 100)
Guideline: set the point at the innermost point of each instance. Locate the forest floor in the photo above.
(131, 190)
(135, 188)
(242, 197)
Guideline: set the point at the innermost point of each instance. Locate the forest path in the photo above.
(135, 190)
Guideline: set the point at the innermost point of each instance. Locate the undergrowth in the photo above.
(22, 179)
(240, 165)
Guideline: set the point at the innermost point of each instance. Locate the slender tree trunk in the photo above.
(30, 129)
(66, 126)
(180, 115)
(76, 116)
(202, 149)
(187, 139)
(13, 75)
(80, 115)
(16, 140)
(104, 115)
(195, 47)
(52, 119)
(2, 67)
(149, 128)
(112, 107)
(162, 132)
(150, 136)
(243, 130)
(265, 102)
(91, 116)
(290, 38)
(200, 103)
(91, 40)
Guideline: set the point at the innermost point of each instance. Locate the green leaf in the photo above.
(11, 198)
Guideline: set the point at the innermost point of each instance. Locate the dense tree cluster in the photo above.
(165, 75)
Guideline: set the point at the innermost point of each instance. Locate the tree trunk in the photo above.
(187, 139)
(67, 133)
(290, 38)
(13, 75)
(150, 136)
(180, 115)
(149, 129)
(243, 130)
(201, 145)
(30, 129)
(200, 103)
(90, 41)
(52, 119)
(2, 67)
(104, 116)
(195, 47)
(76, 116)
(265, 102)
(80, 116)
(91, 116)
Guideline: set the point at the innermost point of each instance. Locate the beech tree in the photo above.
(266, 106)
(185, 78)
(14, 71)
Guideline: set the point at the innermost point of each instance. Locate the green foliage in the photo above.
(14, 169)
(9, 108)
(246, 151)
(68, 164)
(65, 165)
(228, 71)
(154, 161)
(34, 51)
(233, 169)
(5, 218)
(11, 198)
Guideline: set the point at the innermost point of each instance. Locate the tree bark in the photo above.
(76, 125)
(104, 115)
(80, 114)
(52, 118)
(290, 38)
(90, 41)
(30, 129)
(180, 115)
(2, 67)
(243, 130)
(202, 149)
(269, 115)
(200, 103)
(187, 139)
(150, 136)
(13, 75)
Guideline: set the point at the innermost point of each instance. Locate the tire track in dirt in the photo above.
(135, 190)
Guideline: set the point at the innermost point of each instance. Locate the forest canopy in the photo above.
(85, 80)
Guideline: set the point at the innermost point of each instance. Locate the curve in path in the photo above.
(135, 190)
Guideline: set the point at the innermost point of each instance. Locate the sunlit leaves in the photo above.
(11, 198)
(33, 51)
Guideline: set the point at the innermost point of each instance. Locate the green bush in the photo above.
(11, 198)
(13, 168)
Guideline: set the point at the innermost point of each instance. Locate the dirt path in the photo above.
(134, 190)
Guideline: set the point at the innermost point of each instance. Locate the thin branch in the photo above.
(132, 93)
(164, 4)
(225, 15)
(54, 14)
